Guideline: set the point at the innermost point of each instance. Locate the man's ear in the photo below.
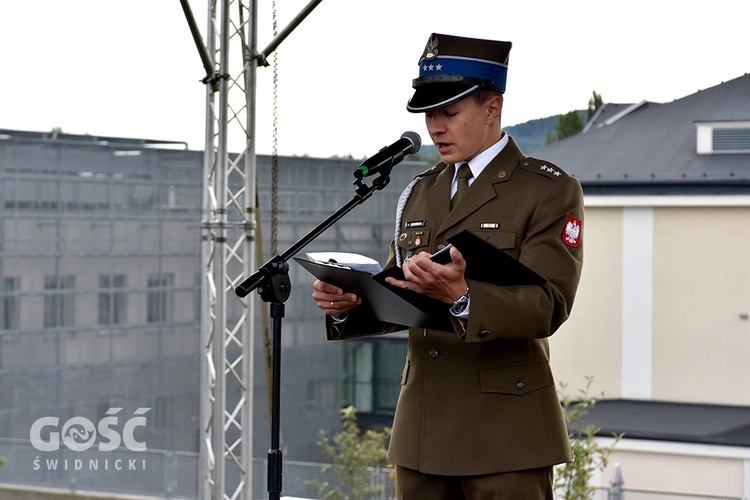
(494, 108)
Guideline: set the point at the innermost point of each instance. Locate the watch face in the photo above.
(460, 305)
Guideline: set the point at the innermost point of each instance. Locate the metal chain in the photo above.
(274, 152)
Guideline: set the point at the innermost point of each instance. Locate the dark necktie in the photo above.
(464, 174)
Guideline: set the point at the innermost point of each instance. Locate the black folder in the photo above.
(484, 262)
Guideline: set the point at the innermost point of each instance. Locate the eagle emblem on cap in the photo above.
(431, 52)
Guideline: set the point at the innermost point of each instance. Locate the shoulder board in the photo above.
(435, 169)
(542, 167)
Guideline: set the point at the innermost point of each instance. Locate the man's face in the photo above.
(464, 129)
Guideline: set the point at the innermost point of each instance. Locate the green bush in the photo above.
(352, 454)
(573, 479)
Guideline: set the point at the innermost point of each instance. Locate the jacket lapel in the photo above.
(437, 197)
(482, 190)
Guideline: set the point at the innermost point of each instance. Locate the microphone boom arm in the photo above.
(276, 264)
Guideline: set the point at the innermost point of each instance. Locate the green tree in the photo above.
(569, 124)
(352, 455)
(572, 122)
(595, 102)
(549, 138)
(573, 479)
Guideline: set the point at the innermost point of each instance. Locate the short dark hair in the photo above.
(484, 95)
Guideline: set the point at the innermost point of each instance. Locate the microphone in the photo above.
(389, 156)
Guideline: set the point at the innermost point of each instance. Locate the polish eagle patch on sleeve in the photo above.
(571, 234)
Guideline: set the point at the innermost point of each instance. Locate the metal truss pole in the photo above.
(228, 226)
(228, 232)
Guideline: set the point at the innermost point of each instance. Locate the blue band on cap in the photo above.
(474, 68)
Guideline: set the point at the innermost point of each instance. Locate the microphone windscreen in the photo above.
(416, 141)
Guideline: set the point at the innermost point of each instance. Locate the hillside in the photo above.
(532, 134)
(529, 135)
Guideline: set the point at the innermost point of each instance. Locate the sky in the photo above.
(131, 69)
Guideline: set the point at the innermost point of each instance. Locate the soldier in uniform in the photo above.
(478, 414)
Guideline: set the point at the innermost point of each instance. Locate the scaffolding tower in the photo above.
(230, 59)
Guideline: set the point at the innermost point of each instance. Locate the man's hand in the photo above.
(444, 282)
(332, 300)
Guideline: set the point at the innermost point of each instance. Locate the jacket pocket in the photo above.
(517, 379)
(501, 239)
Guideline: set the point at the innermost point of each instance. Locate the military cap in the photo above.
(453, 67)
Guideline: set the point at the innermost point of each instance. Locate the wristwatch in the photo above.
(460, 305)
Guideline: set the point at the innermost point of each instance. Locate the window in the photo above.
(59, 301)
(373, 374)
(731, 140)
(359, 376)
(723, 137)
(160, 301)
(112, 299)
(10, 307)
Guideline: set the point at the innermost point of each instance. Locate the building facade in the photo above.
(661, 317)
(99, 283)
(100, 259)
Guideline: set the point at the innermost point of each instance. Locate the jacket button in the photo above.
(433, 353)
(520, 386)
(483, 333)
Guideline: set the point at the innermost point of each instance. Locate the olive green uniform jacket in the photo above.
(482, 399)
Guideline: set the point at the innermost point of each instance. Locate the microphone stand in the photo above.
(273, 285)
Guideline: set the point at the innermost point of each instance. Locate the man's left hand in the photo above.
(444, 282)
